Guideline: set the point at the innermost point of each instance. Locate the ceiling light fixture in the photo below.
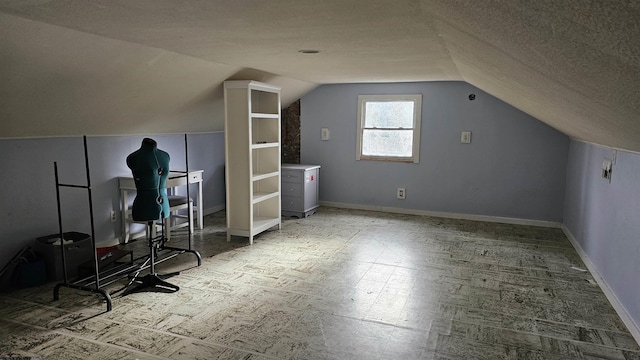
(308, 51)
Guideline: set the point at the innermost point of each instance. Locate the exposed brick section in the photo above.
(291, 133)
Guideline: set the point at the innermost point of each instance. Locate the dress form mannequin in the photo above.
(150, 168)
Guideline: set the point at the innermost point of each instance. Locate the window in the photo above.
(389, 127)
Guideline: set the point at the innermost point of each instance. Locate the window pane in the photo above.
(389, 114)
(387, 143)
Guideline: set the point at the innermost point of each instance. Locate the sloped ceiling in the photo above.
(156, 66)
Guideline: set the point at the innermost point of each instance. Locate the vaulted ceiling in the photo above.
(71, 67)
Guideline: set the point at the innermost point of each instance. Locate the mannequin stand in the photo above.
(153, 279)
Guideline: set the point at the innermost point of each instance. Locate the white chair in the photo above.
(176, 203)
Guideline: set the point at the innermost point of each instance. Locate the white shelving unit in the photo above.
(252, 154)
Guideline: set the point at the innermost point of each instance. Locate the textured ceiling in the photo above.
(111, 67)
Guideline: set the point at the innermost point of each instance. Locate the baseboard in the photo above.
(631, 325)
(137, 235)
(214, 209)
(108, 243)
(448, 215)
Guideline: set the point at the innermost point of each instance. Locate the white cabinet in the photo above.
(252, 156)
(300, 184)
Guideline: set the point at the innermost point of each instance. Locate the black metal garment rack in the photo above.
(186, 175)
(95, 282)
(66, 283)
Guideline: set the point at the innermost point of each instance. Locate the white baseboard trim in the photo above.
(448, 215)
(137, 235)
(211, 210)
(632, 326)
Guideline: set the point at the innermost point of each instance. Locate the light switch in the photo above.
(325, 134)
(465, 137)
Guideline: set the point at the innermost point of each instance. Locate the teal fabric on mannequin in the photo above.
(150, 168)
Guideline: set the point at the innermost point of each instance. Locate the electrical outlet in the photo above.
(401, 194)
(113, 216)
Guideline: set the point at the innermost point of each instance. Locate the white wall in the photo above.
(514, 167)
(29, 207)
(603, 220)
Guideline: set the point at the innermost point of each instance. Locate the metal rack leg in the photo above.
(107, 297)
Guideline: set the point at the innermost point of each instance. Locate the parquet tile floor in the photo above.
(340, 284)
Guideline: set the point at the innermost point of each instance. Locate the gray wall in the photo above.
(514, 167)
(604, 217)
(28, 197)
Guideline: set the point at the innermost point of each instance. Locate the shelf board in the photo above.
(258, 197)
(262, 176)
(265, 145)
(263, 223)
(253, 85)
(265, 116)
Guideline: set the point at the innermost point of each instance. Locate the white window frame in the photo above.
(417, 119)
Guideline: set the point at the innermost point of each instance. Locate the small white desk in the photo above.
(126, 184)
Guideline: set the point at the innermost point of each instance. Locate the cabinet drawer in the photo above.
(292, 203)
(292, 177)
(291, 189)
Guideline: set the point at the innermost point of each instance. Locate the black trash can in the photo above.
(78, 249)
